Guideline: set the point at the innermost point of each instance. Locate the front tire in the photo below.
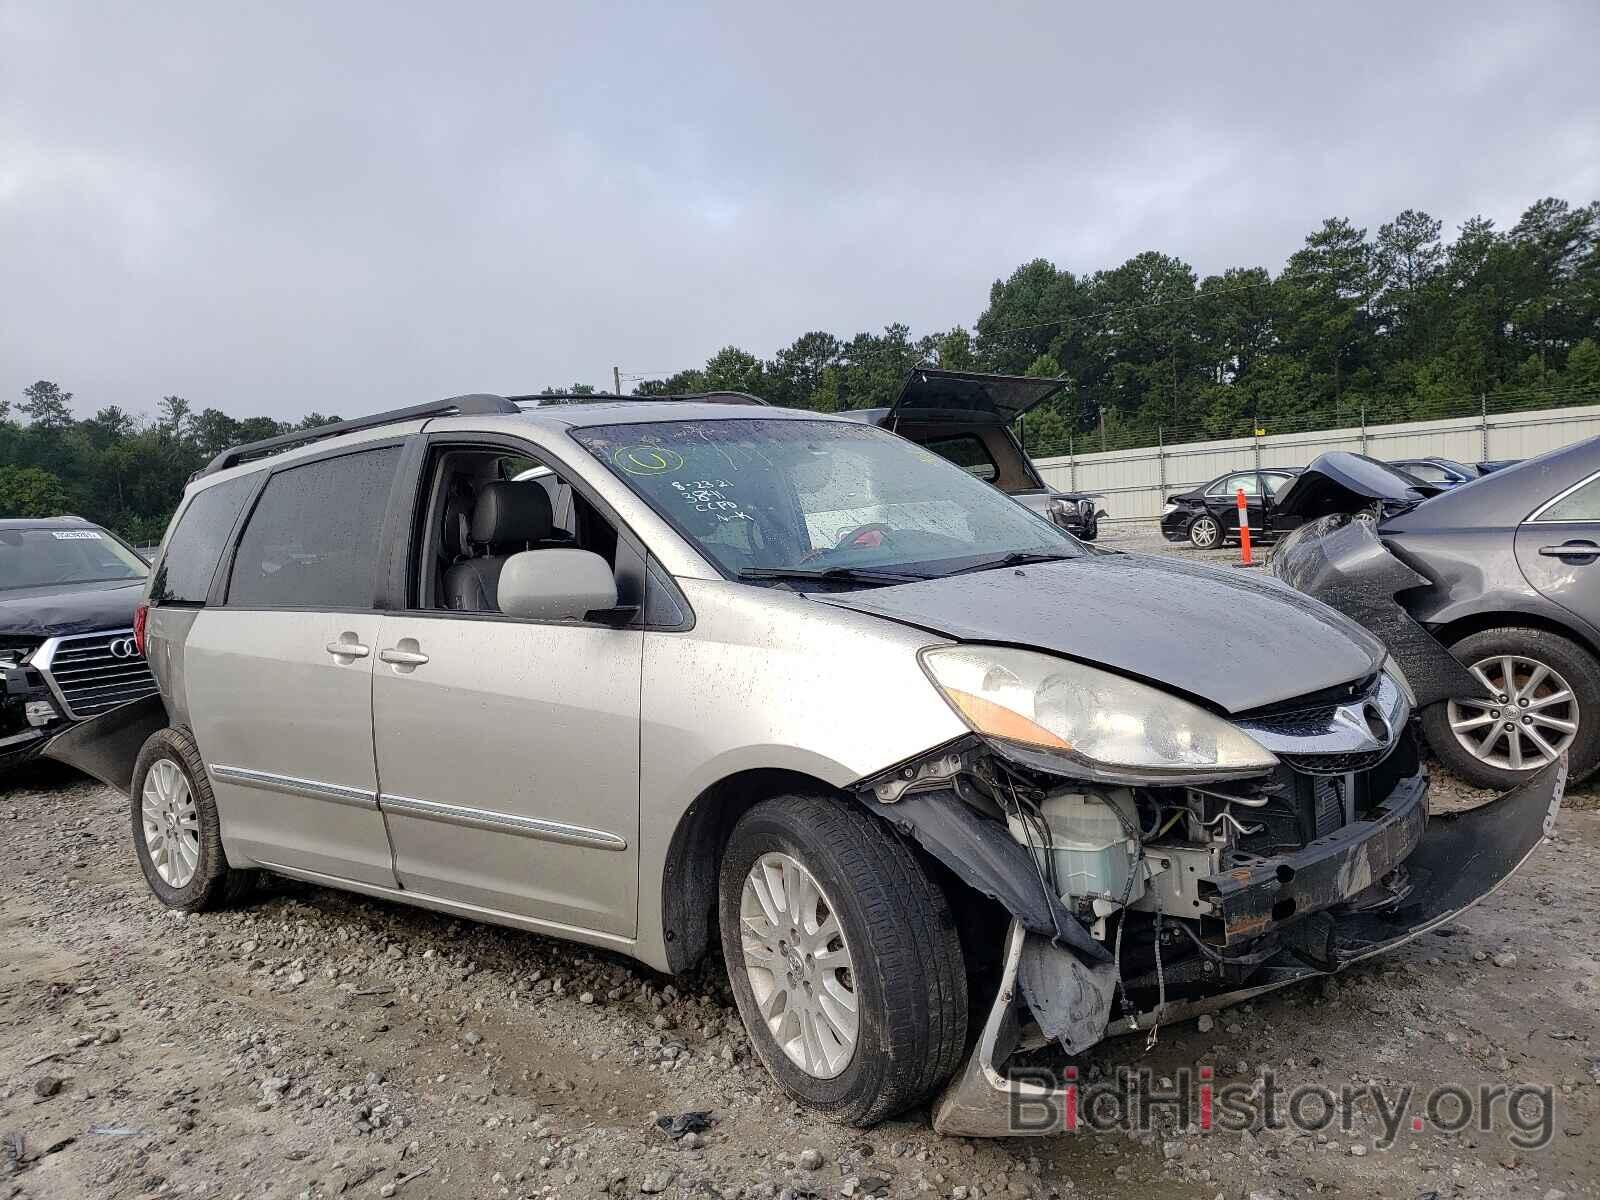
(1205, 533)
(1551, 687)
(843, 957)
(176, 834)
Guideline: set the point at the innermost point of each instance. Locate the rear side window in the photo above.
(312, 540)
(968, 453)
(184, 574)
(1581, 505)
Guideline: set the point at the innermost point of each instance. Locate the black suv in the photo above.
(67, 595)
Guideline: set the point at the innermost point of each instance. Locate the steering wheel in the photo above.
(866, 537)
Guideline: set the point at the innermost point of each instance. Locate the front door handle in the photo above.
(406, 654)
(347, 647)
(1576, 553)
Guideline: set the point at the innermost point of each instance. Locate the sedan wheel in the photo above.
(171, 823)
(1530, 723)
(799, 966)
(1205, 533)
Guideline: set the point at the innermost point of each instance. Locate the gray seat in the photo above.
(507, 518)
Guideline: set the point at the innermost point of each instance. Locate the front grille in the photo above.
(90, 677)
(1335, 764)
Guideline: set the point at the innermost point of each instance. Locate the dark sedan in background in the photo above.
(1488, 597)
(67, 594)
(1208, 515)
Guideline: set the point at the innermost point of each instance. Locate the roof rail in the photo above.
(716, 397)
(477, 404)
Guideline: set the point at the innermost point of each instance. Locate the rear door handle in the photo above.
(403, 658)
(348, 647)
(1575, 552)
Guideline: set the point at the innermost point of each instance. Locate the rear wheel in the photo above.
(843, 956)
(176, 834)
(1545, 702)
(1205, 532)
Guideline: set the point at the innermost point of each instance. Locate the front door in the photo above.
(508, 749)
(508, 754)
(284, 667)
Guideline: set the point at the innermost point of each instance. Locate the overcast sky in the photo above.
(280, 207)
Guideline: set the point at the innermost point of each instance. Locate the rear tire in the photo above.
(176, 834)
(906, 977)
(1205, 533)
(1569, 662)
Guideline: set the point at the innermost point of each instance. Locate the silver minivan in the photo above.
(677, 677)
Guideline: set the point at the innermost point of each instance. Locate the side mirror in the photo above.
(556, 585)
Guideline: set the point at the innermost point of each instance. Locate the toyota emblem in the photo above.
(124, 648)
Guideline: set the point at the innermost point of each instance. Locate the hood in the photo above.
(57, 609)
(1341, 482)
(968, 397)
(1239, 642)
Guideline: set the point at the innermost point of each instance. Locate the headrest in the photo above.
(511, 512)
(458, 507)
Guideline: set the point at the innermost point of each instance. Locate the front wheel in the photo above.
(843, 956)
(1545, 702)
(1205, 532)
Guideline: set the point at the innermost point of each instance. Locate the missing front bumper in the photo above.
(1460, 859)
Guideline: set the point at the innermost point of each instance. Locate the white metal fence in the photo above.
(1135, 483)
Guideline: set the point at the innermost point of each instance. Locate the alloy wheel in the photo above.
(1204, 533)
(1532, 719)
(171, 823)
(799, 965)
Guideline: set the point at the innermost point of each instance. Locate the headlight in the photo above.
(1051, 704)
(1393, 671)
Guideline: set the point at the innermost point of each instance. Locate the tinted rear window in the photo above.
(184, 575)
(312, 540)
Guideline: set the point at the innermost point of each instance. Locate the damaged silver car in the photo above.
(1487, 594)
(632, 673)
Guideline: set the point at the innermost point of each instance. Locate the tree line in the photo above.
(1402, 323)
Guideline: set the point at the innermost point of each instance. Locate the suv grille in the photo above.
(90, 675)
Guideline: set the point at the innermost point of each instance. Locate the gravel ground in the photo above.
(311, 1043)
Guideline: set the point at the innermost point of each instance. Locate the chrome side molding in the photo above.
(499, 822)
(336, 793)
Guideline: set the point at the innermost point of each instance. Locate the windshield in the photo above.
(760, 495)
(31, 557)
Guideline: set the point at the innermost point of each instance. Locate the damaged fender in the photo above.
(1342, 561)
(1462, 858)
(1067, 977)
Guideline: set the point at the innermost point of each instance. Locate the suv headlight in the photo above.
(1051, 704)
(1393, 671)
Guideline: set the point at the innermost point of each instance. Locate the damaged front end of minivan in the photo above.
(1140, 896)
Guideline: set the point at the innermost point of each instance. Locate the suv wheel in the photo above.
(1205, 532)
(1546, 703)
(175, 830)
(843, 956)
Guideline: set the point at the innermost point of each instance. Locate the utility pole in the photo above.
(1102, 428)
(616, 381)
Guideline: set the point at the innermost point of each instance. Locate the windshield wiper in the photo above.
(1017, 558)
(828, 574)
